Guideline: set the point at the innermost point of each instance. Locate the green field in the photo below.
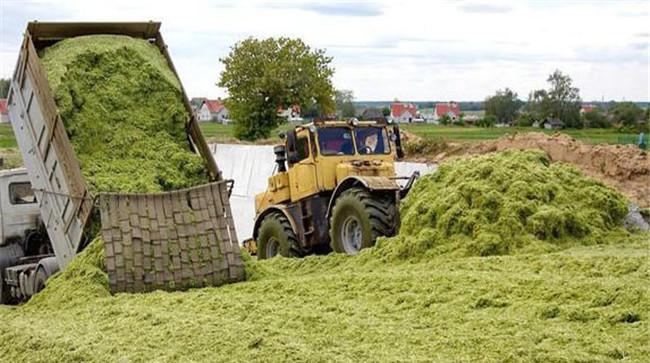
(7, 138)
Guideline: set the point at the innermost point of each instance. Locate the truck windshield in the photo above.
(372, 140)
(335, 141)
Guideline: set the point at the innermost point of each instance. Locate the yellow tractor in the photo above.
(339, 191)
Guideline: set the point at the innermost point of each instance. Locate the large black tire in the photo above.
(359, 217)
(276, 237)
(5, 295)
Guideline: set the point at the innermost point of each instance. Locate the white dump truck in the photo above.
(172, 240)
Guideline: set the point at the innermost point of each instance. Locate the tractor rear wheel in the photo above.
(359, 217)
(276, 237)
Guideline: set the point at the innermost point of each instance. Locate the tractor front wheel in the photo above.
(359, 217)
(276, 237)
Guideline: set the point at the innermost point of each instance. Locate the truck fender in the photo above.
(49, 265)
(279, 209)
(372, 183)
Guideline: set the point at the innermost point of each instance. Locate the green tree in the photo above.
(596, 119)
(627, 113)
(503, 105)
(385, 111)
(4, 87)
(445, 120)
(561, 101)
(487, 121)
(565, 99)
(263, 75)
(525, 119)
(345, 103)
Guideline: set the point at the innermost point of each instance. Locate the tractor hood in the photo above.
(365, 167)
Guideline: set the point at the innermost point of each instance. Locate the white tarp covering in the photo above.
(251, 165)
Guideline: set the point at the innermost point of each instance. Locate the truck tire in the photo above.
(39, 280)
(276, 237)
(5, 295)
(359, 217)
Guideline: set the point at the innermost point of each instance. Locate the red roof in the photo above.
(214, 106)
(3, 106)
(398, 109)
(447, 108)
(587, 108)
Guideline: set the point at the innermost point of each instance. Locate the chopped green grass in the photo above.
(581, 304)
(122, 108)
(505, 203)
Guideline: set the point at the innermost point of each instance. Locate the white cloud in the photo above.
(418, 50)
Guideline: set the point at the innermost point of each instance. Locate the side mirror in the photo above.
(398, 142)
(292, 153)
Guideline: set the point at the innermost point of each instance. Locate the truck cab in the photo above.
(19, 212)
(26, 258)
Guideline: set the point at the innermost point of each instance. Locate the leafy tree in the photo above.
(596, 119)
(627, 113)
(525, 119)
(561, 101)
(487, 121)
(345, 103)
(503, 105)
(445, 120)
(565, 99)
(4, 87)
(385, 111)
(263, 75)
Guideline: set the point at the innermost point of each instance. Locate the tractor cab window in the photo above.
(21, 193)
(302, 148)
(335, 141)
(372, 140)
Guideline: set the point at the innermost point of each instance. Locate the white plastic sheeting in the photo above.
(251, 165)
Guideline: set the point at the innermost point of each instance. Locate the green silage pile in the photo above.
(505, 203)
(122, 108)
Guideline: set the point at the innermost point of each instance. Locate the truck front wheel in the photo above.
(276, 237)
(359, 217)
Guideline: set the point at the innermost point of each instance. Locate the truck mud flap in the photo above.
(171, 241)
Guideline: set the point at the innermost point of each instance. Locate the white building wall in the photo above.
(203, 113)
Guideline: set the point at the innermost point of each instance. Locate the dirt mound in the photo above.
(625, 167)
(505, 203)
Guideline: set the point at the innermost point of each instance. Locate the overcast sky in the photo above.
(411, 50)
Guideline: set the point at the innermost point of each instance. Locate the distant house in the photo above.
(372, 114)
(587, 108)
(196, 103)
(213, 110)
(4, 113)
(292, 114)
(451, 109)
(404, 112)
(553, 124)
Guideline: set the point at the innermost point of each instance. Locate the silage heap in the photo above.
(123, 110)
(505, 203)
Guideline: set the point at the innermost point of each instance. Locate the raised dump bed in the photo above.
(172, 240)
